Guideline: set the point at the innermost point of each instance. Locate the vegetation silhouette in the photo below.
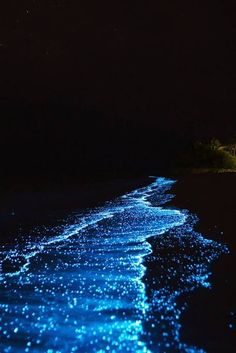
(209, 155)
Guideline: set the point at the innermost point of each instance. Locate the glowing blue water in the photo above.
(84, 290)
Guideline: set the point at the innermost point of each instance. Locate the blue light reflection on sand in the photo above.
(83, 290)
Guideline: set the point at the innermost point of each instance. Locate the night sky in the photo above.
(113, 85)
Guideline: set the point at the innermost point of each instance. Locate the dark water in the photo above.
(87, 288)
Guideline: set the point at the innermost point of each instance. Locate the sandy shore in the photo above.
(210, 320)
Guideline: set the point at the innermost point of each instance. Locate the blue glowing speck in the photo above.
(85, 290)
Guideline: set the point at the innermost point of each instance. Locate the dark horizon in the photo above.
(107, 87)
(61, 138)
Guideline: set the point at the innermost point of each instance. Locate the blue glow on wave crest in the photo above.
(84, 290)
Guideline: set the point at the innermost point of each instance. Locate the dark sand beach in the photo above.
(210, 319)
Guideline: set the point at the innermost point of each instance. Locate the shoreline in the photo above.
(23, 211)
(209, 321)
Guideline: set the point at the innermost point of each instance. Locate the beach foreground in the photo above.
(139, 273)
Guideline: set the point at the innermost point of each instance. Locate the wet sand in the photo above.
(210, 319)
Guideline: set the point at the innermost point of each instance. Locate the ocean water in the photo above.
(87, 288)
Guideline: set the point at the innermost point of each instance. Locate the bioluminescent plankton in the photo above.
(89, 288)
